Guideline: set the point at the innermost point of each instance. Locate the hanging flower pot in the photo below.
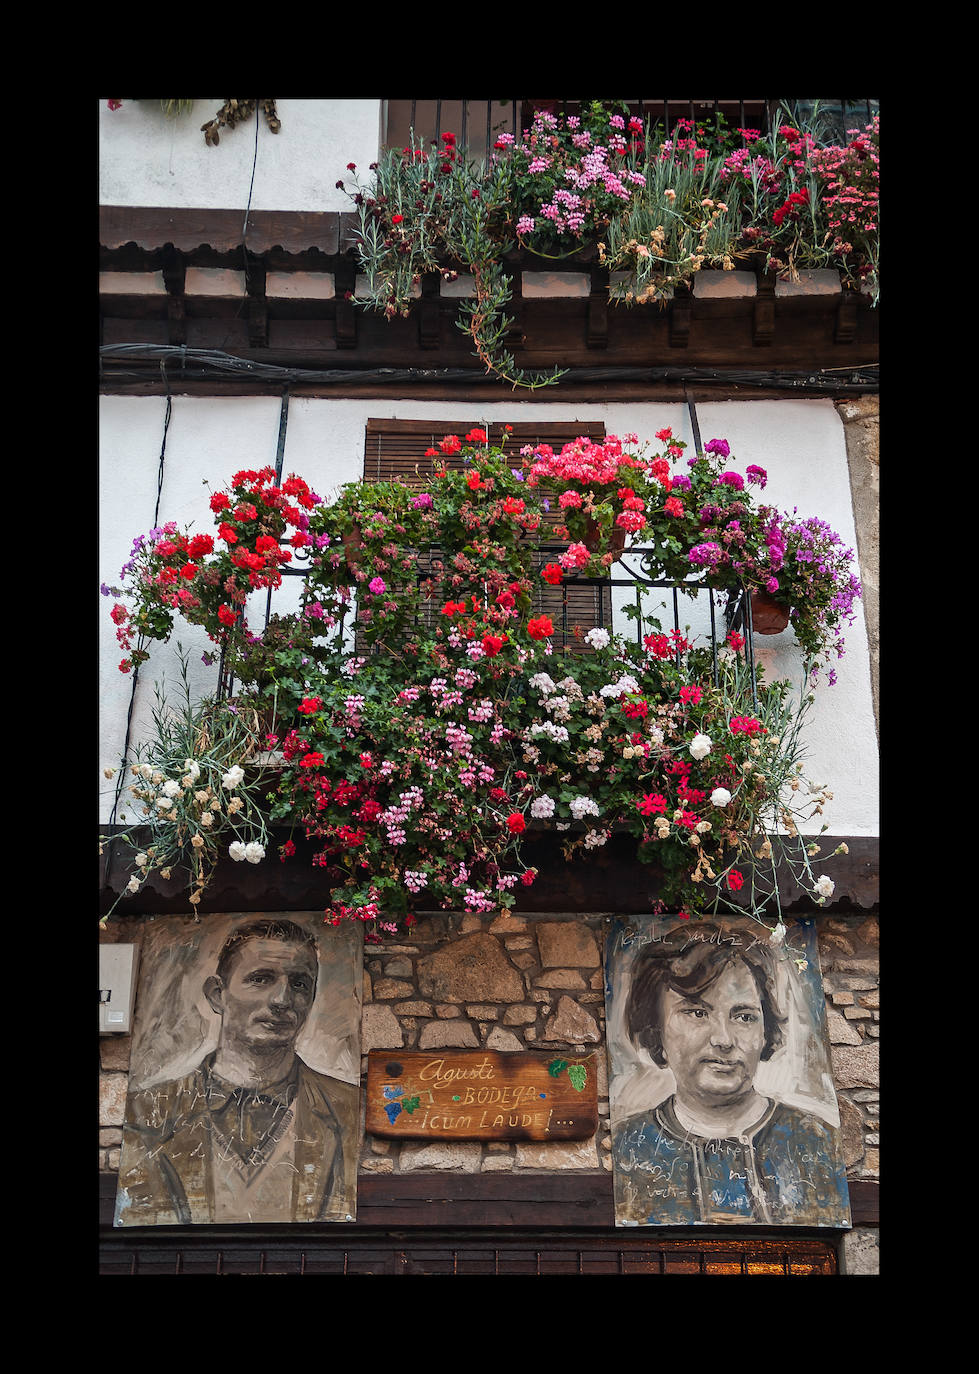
(594, 542)
(768, 616)
(352, 545)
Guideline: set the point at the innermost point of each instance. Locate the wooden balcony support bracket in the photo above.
(258, 313)
(680, 313)
(763, 325)
(428, 311)
(174, 279)
(596, 330)
(846, 317)
(345, 280)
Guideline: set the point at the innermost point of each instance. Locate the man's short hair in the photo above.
(689, 961)
(262, 930)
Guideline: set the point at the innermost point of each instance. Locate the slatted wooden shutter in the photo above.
(395, 450)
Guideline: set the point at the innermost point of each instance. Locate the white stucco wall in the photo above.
(800, 443)
(146, 158)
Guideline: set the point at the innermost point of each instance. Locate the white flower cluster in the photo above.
(700, 746)
(598, 638)
(542, 682)
(626, 683)
(252, 852)
(558, 733)
(595, 838)
(583, 806)
(542, 808)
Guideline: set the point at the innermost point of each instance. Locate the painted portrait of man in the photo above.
(244, 1087)
(723, 1108)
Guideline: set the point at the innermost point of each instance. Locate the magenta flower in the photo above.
(377, 585)
(719, 446)
(731, 479)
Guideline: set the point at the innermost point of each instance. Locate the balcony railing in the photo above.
(477, 124)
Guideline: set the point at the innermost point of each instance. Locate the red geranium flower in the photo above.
(540, 628)
(515, 823)
(552, 573)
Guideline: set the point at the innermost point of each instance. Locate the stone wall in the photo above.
(861, 426)
(531, 982)
(499, 983)
(849, 956)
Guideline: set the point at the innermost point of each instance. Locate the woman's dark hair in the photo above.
(262, 930)
(688, 962)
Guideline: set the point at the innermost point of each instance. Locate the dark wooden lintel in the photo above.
(763, 322)
(506, 1201)
(596, 330)
(428, 311)
(846, 318)
(681, 311)
(345, 281)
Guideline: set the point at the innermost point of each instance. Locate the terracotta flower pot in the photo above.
(768, 616)
(594, 543)
(352, 545)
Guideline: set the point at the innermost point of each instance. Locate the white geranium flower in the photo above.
(254, 852)
(700, 746)
(583, 806)
(237, 851)
(233, 777)
(598, 638)
(542, 682)
(825, 887)
(720, 796)
(626, 683)
(542, 807)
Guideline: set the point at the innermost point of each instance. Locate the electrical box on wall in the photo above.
(117, 988)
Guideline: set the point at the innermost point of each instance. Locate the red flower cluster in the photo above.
(796, 198)
(746, 725)
(540, 628)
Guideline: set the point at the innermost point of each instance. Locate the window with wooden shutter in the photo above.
(395, 450)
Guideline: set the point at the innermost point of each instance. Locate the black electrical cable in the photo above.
(135, 678)
(860, 377)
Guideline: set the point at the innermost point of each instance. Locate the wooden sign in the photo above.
(481, 1095)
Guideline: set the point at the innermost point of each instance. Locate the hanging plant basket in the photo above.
(768, 616)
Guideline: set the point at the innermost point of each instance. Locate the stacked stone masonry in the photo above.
(511, 983)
